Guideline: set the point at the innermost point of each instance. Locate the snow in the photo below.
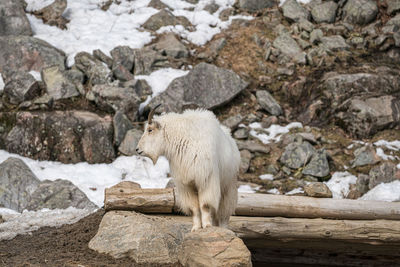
(267, 177)
(393, 145)
(274, 191)
(273, 133)
(91, 28)
(92, 179)
(382, 155)
(281, 2)
(36, 75)
(339, 184)
(1, 83)
(28, 221)
(384, 192)
(297, 190)
(245, 188)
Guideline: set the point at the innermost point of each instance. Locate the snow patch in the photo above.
(273, 133)
(1, 83)
(340, 183)
(36, 75)
(28, 221)
(297, 190)
(393, 145)
(267, 177)
(92, 179)
(382, 155)
(384, 192)
(245, 188)
(274, 191)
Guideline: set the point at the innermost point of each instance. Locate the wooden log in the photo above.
(163, 201)
(131, 197)
(371, 237)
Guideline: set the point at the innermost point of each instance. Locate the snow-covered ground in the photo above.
(273, 133)
(245, 188)
(339, 184)
(384, 192)
(92, 28)
(28, 221)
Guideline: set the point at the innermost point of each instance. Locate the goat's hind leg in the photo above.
(189, 203)
(209, 198)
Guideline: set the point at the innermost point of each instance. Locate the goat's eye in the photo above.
(149, 130)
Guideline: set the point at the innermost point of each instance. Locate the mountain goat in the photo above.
(204, 161)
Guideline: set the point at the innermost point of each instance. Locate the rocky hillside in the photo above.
(310, 91)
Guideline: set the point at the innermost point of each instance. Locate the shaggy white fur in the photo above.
(204, 161)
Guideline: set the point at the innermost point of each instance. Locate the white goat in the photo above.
(204, 161)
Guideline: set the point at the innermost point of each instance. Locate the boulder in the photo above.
(164, 18)
(170, 46)
(130, 141)
(147, 240)
(385, 173)
(205, 86)
(20, 87)
(252, 146)
(211, 7)
(213, 49)
(365, 155)
(362, 184)
(289, 47)
(58, 194)
(256, 5)
(95, 70)
(17, 183)
(214, 246)
(52, 14)
(316, 36)
(112, 98)
(158, 4)
(317, 190)
(13, 20)
(294, 11)
(140, 87)
(297, 155)
(25, 53)
(318, 166)
(146, 61)
(122, 65)
(335, 43)
(268, 103)
(393, 6)
(121, 125)
(359, 12)
(58, 84)
(324, 12)
(245, 158)
(97, 53)
(66, 136)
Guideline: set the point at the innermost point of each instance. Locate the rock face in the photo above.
(26, 53)
(20, 87)
(205, 86)
(146, 240)
(58, 194)
(17, 183)
(324, 12)
(255, 5)
(164, 18)
(293, 11)
(13, 20)
(214, 246)
(20, 189)
(360, 12)
(69, 137)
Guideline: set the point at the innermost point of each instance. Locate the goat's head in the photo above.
(151, 143)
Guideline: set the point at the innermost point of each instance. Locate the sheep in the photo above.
(204, 161)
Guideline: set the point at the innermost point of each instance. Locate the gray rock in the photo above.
(267, 102)
(205, 86)
(255, 5)
(213, 49)
(395, 21)
(123, 60)
(66, 136)
(98, 54)
(52, 14)
(360, 12)
(289, 47)
(233, 121)
(21, 87)
(140, 87)
(169, 46)
(24, 53)
(147, 60)
(58, 86)
(252, 146)
(325, 12)
(362, 184)
(13, 20)
(58, 194)
(112, 99)
(157, 4)
(95, 70)
(130, 141)
(241, 133)
(385, 173)
(17, 183)
(305, 25)
(212, 7)
(365, 117)
(214, 246)
(297, 155)
(121, 125)
(294, 11)
(147, 240)
(393, 6)
(226, 13)
(317, 190)
(164, 18)
(245, 158)
(318, 166)
(365, 155)
(335, 43)
(316, 36)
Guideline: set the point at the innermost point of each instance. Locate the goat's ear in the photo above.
(156, 124)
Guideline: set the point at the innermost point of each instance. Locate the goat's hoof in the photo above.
(195, 228)
(207, 225)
